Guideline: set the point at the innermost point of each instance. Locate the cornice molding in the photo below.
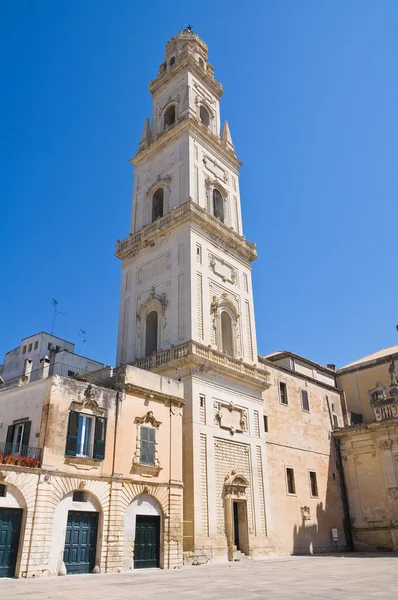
(188, 63)
(193, 125)
(187, 212)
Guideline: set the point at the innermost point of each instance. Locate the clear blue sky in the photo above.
(311, 95)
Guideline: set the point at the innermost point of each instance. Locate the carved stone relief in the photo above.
(154, 267)
(231, 417)
(306, 513)
(221, 268)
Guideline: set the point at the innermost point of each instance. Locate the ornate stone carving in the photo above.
(230, 417)
(154, 267)
(386, 444)
(148, 418)
(305, 513)
(393, 493)
(222, 269)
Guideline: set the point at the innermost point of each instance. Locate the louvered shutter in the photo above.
(71, 440)
(99, 438)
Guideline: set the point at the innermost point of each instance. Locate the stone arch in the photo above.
(169, 115)
(21, 493)
(225, 305)
(143, 504)
(161, 183)
(213, 185)
(127, 494)
(159, 305)
(97, 496)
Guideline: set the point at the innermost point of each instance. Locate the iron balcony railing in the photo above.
(9, 449)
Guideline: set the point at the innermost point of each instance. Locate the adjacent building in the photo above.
(369, 449)
(41, 355)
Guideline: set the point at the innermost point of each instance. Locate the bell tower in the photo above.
(186, 297)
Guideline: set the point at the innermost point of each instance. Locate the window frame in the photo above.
(283, 383)
(312, 472)
(150, 443)
(3, 490)
(294, 493)
(306, 410)
(95, 446)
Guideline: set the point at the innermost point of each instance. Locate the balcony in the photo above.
(189, 211)
(23, 456)
(205, 355)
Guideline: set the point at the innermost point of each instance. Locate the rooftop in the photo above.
(380, 356)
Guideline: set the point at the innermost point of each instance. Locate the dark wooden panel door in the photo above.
(80, 541)
(10, 529)
(147, 542)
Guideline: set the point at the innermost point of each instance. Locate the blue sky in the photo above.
(311, 95)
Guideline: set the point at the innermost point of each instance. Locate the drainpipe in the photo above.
(344, 497)
(118, 400)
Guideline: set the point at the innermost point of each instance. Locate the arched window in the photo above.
(218, 205)
(151, 333)
(157, 204)
(169, 116)
(172, 61)
(201, 63)
(204, 116)
(226, 333)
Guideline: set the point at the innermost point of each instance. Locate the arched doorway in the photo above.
(236, 520)
(12, 507)
(75, 544)
(143, 534)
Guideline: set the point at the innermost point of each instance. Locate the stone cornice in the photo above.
(187, 212)
(203, 358)
(188, 63)
(366, 427)
(187, 124)
(131, 388)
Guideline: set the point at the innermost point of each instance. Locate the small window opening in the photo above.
(157, 204)
(304, 401)
(36, 345)
(334, 476)
(314, 484)
(57, 348)
(202, 401)
(71, 373)
(79, 496)
(291, 485)
(226, 333)
(172, 61)
(335, 421)
(265, 423)
(204, 116)
(24, 350)
(147, 450)
(3, 491)
(30, 348)
(218, 205)
(49, 346)
(169, 116)
(151, 333)
(283, 393)
(202, 64)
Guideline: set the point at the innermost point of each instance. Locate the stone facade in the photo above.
(117, 487)
(369, 449)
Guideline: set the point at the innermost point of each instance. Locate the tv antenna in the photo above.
(84, 340)
(54, 303)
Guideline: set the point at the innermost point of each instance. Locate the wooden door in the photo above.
(80, 541)
(147, 542)
(10, 529)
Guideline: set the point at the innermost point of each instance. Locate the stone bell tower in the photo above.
(186, 298)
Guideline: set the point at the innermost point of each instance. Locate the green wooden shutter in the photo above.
(99, 438)
(151, 446)
(25, 438)
(71, 440)
(10, 435)
(144, 446)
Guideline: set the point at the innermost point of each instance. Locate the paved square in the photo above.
(320, 578)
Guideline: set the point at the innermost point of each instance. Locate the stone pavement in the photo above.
(353, 576)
